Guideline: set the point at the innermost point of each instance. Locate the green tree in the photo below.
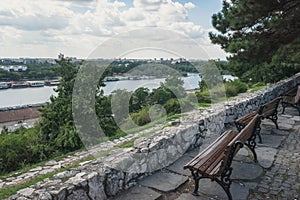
(261, 37)
(139, 99)
(175, 84)
(161, 95)
(57, 124)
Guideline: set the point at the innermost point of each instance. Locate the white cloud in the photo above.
(148, 5)
(77, 26)
(189, 5)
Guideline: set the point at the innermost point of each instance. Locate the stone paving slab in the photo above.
(271, 141)
(279, 132)
(164, 181)
(177, 166)
(285, 126)
(266, 156)
(189, 196)
(296, 118)
(211, 190)
(243, 156)
(286, 119)
(138, 193)
(245, 171)
(267, 123)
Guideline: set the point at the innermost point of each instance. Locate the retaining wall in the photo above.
(105, 177)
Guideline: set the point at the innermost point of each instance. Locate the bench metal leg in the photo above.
(274, 119)
(224, 182)
(251, 145)
(196, 180)
(298, 108)
(226, 187)
(257, 132)
(283, 107)
(286, 104)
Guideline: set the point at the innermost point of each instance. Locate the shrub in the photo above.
(172, 106)
(203, 97)
(231, 90)
(17, 150)
(141, 117)
(239, 85)
(235, 87)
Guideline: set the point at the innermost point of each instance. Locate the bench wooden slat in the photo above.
(292, 100)
(208, 150)
(247, 132)
(212, 161)
(216, 168)
(271, 107)
(246, 118)
(215, 160)
(268, 111)
(204, 156)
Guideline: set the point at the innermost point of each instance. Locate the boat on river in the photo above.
(52, 82)
(4, 85)
(19, 85)
(36, 83)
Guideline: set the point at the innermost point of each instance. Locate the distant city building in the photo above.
(14, 68)
(15, 61)
(61, 56)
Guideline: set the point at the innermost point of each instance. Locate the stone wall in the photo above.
(105, 177)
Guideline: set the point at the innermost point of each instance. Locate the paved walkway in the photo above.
(276, 176)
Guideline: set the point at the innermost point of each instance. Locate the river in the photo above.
(25, 96)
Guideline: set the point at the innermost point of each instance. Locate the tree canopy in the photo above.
(262, 38)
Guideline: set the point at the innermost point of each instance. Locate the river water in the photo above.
(25, 96)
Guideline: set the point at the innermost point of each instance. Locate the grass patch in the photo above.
(9, 191)
(204, 104)
(257, 86)
(26, 168)
(148, 133)
(6, 192)
(146, 126)
(127, 144)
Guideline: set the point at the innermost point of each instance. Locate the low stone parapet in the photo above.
(122, 168)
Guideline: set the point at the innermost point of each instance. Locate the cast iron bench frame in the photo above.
(291, 98)
(267, 111)
(214, 162)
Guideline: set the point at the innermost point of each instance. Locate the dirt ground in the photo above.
(19, 115)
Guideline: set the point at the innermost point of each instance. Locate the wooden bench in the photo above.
(267, 111)
(291, 98)
(214, 162)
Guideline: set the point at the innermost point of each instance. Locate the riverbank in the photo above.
(19, 114)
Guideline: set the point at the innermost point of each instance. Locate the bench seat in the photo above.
(209, 161)
(291, 98)
(267, 111)
(214, 162)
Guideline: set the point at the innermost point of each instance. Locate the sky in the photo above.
(77, 28)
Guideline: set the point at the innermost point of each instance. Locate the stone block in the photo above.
(164, 181)
(138, 193)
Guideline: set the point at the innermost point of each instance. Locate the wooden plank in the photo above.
(204, 155)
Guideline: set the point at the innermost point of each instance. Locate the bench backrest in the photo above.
(209, 159)
(217, 156)
(245, 134)
(270, 108)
